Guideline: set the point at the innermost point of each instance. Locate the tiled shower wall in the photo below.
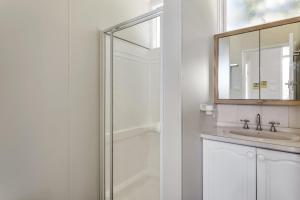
(288, 116)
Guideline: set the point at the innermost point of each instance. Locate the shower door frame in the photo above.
(103, 91)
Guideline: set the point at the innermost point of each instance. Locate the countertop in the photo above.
(223, 134)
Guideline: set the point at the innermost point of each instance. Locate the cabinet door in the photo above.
(229, 171)
(278, 175)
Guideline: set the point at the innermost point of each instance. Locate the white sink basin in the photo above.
(266, 135)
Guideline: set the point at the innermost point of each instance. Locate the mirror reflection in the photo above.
(239, 66)
(261, 64)
(280, 48)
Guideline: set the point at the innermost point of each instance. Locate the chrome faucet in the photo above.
(258, 122)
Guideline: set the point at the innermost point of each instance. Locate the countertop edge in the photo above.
(256, 144)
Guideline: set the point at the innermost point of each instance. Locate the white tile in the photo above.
(248, 112)
(227, 113)
(275, 113)
(294, 116)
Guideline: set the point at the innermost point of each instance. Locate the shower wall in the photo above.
(136, 121)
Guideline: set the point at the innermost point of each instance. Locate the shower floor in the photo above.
(145, 189)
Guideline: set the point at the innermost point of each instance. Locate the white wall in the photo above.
(199, 23)
(111, 12)
(187, 48)
(49, 120)
(132, 85)
(34, 130)
(288, 116)
(171, 140)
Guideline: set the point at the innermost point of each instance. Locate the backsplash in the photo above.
(288, 116)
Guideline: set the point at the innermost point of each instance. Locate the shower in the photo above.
(131, 109)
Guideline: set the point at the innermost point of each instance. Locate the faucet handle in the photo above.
(273, 127)
(246, 121)
(274, 123)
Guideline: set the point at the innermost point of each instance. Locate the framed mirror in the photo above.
(259, 65)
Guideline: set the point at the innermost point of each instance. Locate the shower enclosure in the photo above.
(131, 109)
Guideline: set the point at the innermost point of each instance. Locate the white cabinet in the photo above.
(278, 175)
(233, 172)
(229, 171)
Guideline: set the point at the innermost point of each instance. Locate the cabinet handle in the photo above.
(261, 157)
(250, 155)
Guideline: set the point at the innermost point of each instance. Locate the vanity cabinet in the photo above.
(233, 172)
(229, 171)
(278, 175)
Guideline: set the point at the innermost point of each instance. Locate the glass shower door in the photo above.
(133, 131)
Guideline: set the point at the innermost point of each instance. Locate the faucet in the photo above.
(258, 122)
(273, 127)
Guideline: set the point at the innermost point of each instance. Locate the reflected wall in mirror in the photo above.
(238, 71)
(280, 76)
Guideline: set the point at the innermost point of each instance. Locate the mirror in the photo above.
(259, 65)
(280, 62)
(239, 66)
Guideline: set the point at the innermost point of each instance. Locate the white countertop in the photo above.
(222, 134)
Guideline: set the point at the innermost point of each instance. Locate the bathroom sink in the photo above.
(266, 135)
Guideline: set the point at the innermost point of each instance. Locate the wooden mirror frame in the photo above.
(216, 66)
